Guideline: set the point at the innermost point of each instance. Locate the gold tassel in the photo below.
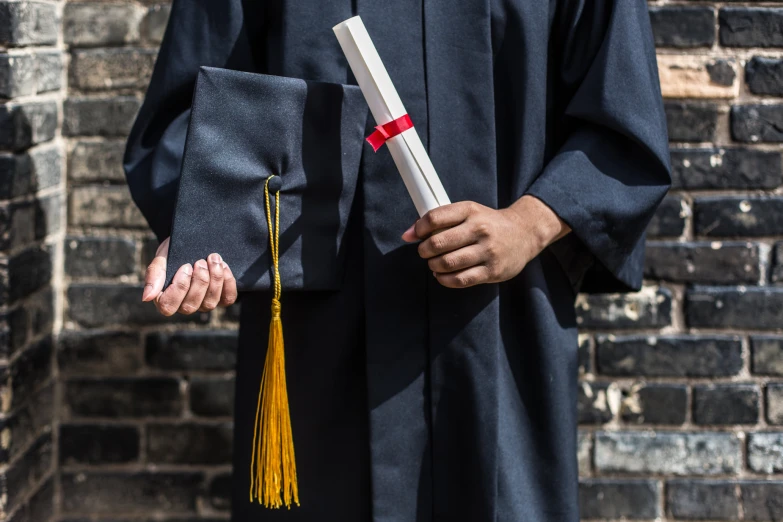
(272, 465)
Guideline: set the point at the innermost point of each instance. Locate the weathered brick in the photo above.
(678, 26)
(697, 77)
(28, 23)
(765, 452)
(775, 403)
(703, 262)
(48, 71)
(25, 124)
(26, 423)
(655, 404)
(110, 492)
(40, 311)
(757, 123)
(40, 507)
(702, 500)
(668, 453)
(669, 356)
(220, 492)
(651, 307)
(24, 473)
(97, 161)
(102, 352)
(692, 122)
(101, 69)
(595, 401)
(732, 216)
(94, 305)
(761, 500)
(726, 404)
(751, 27)
(726, 168)
(212, 396)
(99, 116)
(670, 218)
(766, 354)
(29, 271)
(98, 444)
(618, 499)
(17, 75)
(97, 23)
(584, 452)
(30, 371)
(49, 212)
(765, 75)
(109, 206)
(776, 275)
(155, 22)
(190, 443)
(99, 256)
(124, 397)
(192, 350)
(722, 307)
(585, 362)
(36, 169)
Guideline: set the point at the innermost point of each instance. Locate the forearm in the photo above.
(541, 223)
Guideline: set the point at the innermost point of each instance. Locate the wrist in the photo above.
(542, 222)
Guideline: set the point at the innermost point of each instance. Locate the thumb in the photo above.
(155, 276)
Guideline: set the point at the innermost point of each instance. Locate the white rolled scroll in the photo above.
(409, 155)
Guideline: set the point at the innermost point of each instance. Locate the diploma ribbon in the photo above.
(385, 132)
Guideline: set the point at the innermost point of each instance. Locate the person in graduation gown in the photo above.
(439, 382)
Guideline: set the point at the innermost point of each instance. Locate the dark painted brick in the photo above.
(31, 369)
(765, 75)
(29, 271)
(725, 169)
(650, 308)
(669, 356)
(721, 72)
(765, 452)
(124, 397)
(109, 492)
(766, 354)
(669, 219)
(776, 275)
(702, 500)
(593, 403)
(28, 23)
(751, 27)
(677, 26)
(732, 216)
(614, 499)
(692, 122)
(726, 404)
(190, 443)
(32, 467)
(656, 404)
(192, 350)
(757, 123)
(99, 256)
(94, 305)
(27, 422)
(40, 507)
(775, 403)
(670, 453)
(99, 116)
(220, 492)
(762, 500)
(585, 359)
(98, 444)
(726, 307)
(99, 352)
(27, 124)
(212, 396)
(703, 262)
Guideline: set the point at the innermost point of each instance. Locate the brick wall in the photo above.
(681, 396)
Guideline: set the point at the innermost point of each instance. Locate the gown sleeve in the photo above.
(199, 33)
(611, 168)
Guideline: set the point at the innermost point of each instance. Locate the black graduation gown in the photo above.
(410, 401)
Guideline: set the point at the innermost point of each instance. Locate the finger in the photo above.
(458, 260)
(229, 296)
(198, 288)
(472, 276)
(446, 241)
(154, 279)
(168, 302)
(444, 217)
(215, 289)
(409, 236)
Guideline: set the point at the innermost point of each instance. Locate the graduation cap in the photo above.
(269, 172)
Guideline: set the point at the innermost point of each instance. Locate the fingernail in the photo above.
(188, 269)
(220, 258)
(224, 265)
(201, 264)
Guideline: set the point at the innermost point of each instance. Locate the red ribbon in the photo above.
(389, 130)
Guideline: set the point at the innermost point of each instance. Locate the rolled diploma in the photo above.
(409, 155)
